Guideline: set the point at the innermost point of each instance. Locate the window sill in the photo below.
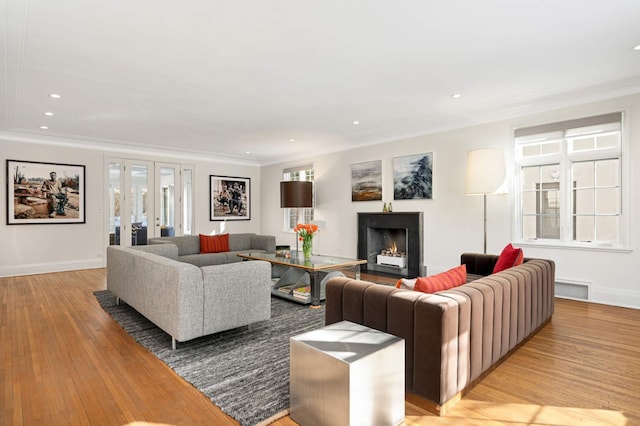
(609, 248)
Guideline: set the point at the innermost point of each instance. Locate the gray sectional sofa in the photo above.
(453, 337)
(185, 300)
(189, 248)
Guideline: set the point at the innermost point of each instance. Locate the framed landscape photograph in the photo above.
(366, 181)
(45, 193)
(413, 177)
(230, 198)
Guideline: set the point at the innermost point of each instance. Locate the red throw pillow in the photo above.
(443, 281)
(214, 243)
(509, 257)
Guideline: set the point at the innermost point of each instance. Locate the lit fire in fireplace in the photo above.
(392, 251)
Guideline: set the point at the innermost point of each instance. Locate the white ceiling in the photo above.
(219, 78)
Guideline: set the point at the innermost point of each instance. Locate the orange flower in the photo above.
(305, 231)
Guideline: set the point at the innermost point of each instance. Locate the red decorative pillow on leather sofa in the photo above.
(443, 281)
(509, 257)
(214, 243)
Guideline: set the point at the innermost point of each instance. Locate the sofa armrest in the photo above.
(264, 242)
(164, 249)
(236, 294)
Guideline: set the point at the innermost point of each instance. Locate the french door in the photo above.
(145, 200)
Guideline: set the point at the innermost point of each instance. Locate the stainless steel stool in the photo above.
(346, 374)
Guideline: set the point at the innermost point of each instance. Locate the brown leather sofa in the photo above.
(454, 337)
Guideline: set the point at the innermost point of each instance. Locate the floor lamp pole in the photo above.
(485, 222)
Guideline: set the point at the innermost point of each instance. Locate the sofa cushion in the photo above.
(240, 241)
(406, 283)
(442, 281)
(187, 244)
(509, 257)
(214, 243)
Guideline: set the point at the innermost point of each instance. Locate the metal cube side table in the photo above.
(346, 374)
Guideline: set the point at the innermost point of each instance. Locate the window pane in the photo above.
(607, 172)
(167, 197)
(549, 227)
(583, 144)
(115, 184)
(583, 174)
(607, 201)
(530, 150)
(530, 176)
(187, 201)
(584, 228)
(584, 201)
(550, 148)
(529, 227)
(550, 173)
(607, 228)
(529, 202)
(608, 141)
(541, 148)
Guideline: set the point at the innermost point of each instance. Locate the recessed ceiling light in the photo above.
(48, 113)
(637, 47)
(54, 96)
(292, 140)
(44, 127)
(247, 152)
(356, 122)
(456, 95)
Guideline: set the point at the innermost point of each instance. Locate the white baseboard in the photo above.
(615, 297)
(45, 268)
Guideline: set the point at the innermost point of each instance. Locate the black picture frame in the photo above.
(229, 198)
(33, 201)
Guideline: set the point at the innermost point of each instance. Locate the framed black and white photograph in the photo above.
(230, 198)
(413, 177)
(366, 181)
(45, 193)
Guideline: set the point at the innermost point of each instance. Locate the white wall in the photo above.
(453, 221)
(32, 249)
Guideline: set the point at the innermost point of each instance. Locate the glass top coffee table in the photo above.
(316, 267)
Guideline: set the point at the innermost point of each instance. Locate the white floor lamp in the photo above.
(486, 171)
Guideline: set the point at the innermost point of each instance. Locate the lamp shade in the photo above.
(486, 171)
(296, 194)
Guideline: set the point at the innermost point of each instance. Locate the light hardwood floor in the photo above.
(63, 360)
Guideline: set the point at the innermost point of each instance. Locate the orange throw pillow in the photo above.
(509, 257)
(452, 278)
(214, 243)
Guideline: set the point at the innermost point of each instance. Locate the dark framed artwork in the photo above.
(366, 181)
(230, 198)
(45, 193)
(413, 177)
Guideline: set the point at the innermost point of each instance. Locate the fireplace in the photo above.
(391, 243)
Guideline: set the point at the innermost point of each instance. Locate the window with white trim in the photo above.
(293, 216)
(570, 185)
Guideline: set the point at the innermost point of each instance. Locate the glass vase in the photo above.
(307, 248)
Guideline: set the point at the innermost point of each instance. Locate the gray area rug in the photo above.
(244, 371)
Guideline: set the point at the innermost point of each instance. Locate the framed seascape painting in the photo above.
(413, 177)
(45, 193)
(230, 198)
(366, 181)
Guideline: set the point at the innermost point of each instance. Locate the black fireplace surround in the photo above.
(404, 228)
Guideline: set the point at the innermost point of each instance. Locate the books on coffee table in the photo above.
(302, 293)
